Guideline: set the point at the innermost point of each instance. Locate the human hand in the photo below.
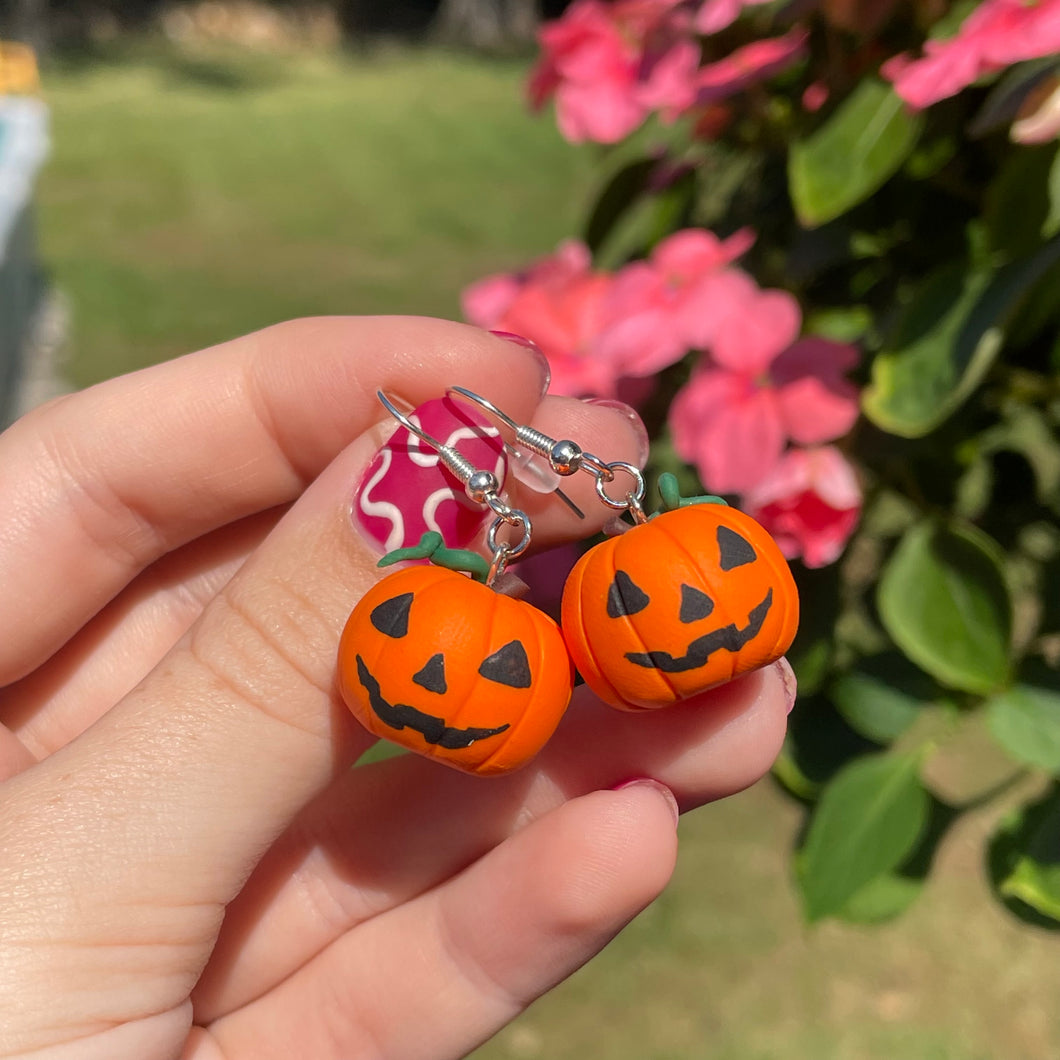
(188, 866)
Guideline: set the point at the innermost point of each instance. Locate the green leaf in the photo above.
(1017, 201)
(1025, 720)
(945, 340)
(943, 599)
(867, 821)
(890, 894)
(881, 899)
(882, 696)
(1025, 430)
(1024, 861)
(849, 157)
(1051, 225)
(618, 195)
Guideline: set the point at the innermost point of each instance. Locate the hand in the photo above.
(188, 866)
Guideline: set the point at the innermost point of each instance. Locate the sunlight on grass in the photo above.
(181, 208)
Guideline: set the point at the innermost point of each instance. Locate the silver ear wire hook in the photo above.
(480, 485)
(566, 457)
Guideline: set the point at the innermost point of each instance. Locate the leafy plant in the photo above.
(824, 263)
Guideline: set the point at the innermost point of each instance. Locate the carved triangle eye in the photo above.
(624, 597)
(391, 617)
(432, 676)
(694, 604)
(735, 551)
(508, 666)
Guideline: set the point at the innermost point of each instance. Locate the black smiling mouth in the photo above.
(400, 716)
(728, 638)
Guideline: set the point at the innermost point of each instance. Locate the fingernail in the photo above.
(630, 414)
(789, 681)
(655, 785)
(529, 344)
(406, 491)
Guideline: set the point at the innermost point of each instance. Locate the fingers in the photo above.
(115, 651)
(158, 812)
(97, 486)
(385, 833)
(439, 975)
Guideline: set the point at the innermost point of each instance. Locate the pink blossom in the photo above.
(995, 35)
(565, 320)
(487, 300)
(609, 64)
(815, 97)
(715, 15)
(810, 503)
(750, 65)
(656, 308)
(738, 411)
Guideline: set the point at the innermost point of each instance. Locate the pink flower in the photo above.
(565, 320)
(487, 300)
(715, 15)
(655, 308)
(995, 35)
(810, 503)
(750, 65)
(609, 64)
(760, 390)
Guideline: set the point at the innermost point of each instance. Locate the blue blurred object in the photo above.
(23, 147)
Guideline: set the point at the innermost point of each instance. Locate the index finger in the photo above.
(98, 485)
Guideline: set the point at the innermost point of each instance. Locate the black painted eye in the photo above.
(624, 597)
(508, 666)
(432, 676)
(735, 551)
(694, 604)
(391, 617)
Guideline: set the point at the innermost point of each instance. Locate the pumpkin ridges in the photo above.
(574, 586)
(683, 666)
(540, 666)
(660, 678)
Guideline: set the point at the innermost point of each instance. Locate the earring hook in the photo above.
(566, 457)
(480, 485)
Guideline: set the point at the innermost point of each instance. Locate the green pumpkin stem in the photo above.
(432, 547)
(670, 494)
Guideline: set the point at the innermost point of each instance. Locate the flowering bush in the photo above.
(824, 263)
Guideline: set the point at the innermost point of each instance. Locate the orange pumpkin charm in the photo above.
(678, 604)
(443, 665)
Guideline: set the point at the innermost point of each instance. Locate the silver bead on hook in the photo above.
(566, 457)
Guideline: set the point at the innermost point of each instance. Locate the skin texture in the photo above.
(189, 868)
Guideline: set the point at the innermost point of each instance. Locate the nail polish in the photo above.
(406, 491)
(529, 344)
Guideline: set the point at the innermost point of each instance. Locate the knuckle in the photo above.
(270, 647)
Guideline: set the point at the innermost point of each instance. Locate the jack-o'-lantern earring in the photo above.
(676, 603)
(434, 659)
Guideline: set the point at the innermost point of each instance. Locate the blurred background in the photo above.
(186, 172)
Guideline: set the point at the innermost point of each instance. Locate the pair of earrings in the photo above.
(683, 601)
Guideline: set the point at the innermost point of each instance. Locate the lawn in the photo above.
(190, 199)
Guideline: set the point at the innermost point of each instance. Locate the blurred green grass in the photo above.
(189, 200)
(193, 198)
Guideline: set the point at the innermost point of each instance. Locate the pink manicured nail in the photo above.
(529, 344)
(662, 789)
(788, 679)
(631, 414)
(406, 491)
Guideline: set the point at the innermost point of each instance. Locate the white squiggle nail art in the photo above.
(405, 491)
